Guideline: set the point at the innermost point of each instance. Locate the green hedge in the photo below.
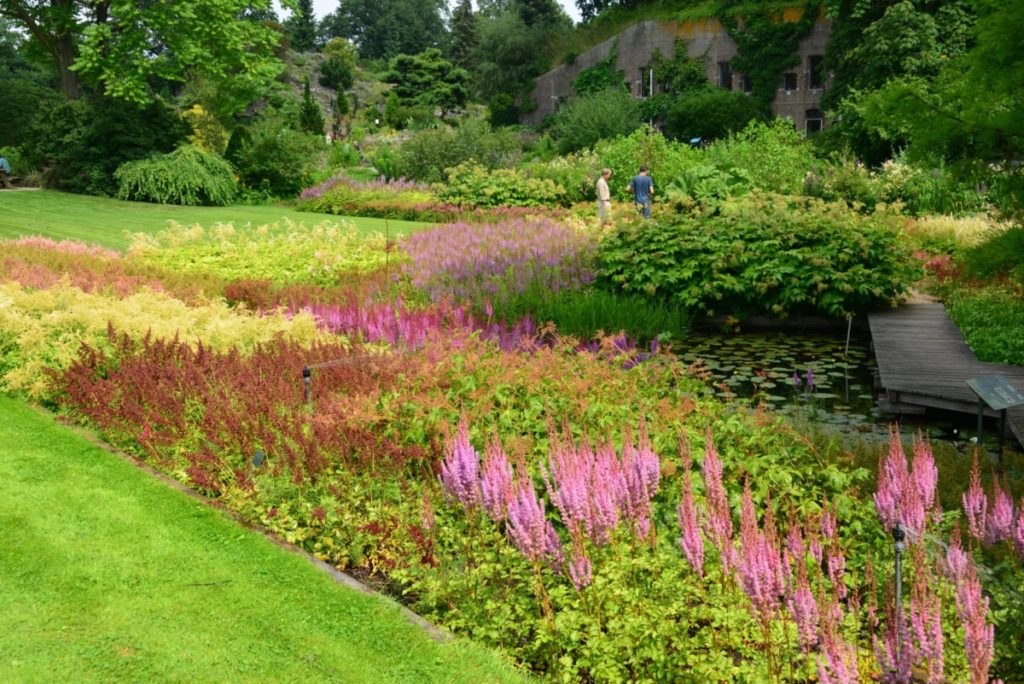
(763, 254)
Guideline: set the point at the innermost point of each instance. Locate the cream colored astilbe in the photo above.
(46, 328)
(965, 232)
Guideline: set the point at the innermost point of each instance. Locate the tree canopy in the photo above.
(382, 29)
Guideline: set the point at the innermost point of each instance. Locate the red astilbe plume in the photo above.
(759, 562)
(460, 470)
(976, 504)
(691, 539)
(719, 516)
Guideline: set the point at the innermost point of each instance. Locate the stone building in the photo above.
(799, 91)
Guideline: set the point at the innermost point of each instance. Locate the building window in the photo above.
(725, 75)
(645, 82)
(745, 84)
(813, 121)
(816, 72)
(789, 81)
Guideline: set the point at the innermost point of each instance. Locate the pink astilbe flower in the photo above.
(759, 562)
(795, 543)
(803, 608)
(894, 661)
(460, 470)
(976, 504)
(906, 493)
(641, 469)
(580, 571)
(924, 474)
(957, 561)
(527, 526)
(609, 490)
(926, 624)
(979, 634)
(691, 540)
(829, 523)
(836, 564)
(719, 516)
(1000, 519)
(496, 481)
(568, 482)
(837, 662)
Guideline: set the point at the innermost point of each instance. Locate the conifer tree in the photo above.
(311, 117)
(463, 30)
(302, 32)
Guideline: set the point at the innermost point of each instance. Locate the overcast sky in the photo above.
(322, 7)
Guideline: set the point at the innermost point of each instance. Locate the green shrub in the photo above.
(1000, 256)
(472, 185)
(712, 113)
(844, 179)
(991, 320)
(576, 173)
(186, 176)
(273, 158)
(774, 155)
(928, 189)
(647, 146)
(588, 119)
(763, 254)
(426, 155)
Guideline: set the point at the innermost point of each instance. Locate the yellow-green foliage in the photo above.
(288, 253)
(43, 329)
(207, 132)
(965, 232)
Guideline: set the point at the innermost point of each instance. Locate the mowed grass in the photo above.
(107, 574)
(108, 222)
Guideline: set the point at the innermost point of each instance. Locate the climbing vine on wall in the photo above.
(601, 76)
(766, 44)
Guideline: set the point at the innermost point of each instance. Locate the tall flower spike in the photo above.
(976, 504)
(460, 470)
(925, 615)
(979, 634)
(496, 481)
(580, 571)
(804, 608)
(527, 526)
(759, 562)
(719, 516)
(691, 539)
(1000, 520)
(1018, 531)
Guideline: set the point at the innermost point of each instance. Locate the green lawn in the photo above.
(104, 221)
(107, 574)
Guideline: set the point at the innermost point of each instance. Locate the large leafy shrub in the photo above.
(79, 144)
(588, 119)
(273, 158)
(991, 319)
(774, 155)
(646, 146)
(186, 176)
(472, 185)
(427, 154)
(928, 188)
(712, 113)
(763, 254)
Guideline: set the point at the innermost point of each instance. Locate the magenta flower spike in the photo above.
(1000, 521)
(759, 562)
(719, 516)
(527, 526)
(979, 634)
(837, 662)
(1018, 531)
(691, 540)
(460, 470)
(580, 570)
(957, 561)
(803, 608)
(925, 614)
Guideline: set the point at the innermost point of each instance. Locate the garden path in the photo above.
(924, 361)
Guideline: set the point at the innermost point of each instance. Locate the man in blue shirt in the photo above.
(642, 187)
(5, 171)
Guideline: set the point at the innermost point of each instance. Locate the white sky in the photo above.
(322, 7)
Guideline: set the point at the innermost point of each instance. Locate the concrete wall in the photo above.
(706, 38)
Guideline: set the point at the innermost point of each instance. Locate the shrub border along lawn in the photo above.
(110, 575)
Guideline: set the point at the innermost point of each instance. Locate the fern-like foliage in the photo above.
(186, 176)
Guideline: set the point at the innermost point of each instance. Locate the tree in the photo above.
(311, 117)
(124, 48)
(302, 29)
(428, 79)
(588, 119)
(464, 38)
(540, 12)
(385, 28)
(712, 113)
(509, 53)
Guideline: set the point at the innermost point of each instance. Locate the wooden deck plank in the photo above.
(924, 360)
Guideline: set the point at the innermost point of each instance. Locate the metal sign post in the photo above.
(995, 392)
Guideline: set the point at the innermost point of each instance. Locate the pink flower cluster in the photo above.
(996, 520)
(906, 493)
(377, 186)
(592, 489)
(481, 260)
(67, 246)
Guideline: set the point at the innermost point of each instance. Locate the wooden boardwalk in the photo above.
(924, 361)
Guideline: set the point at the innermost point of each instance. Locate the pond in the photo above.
(773, 369)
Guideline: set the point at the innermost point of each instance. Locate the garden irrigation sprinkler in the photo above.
(898, 536)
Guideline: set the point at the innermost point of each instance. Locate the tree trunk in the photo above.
(65, 54)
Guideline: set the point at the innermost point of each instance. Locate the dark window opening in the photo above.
(745, 84)
(814, 120)
(816, 72)
(789, 81)
(725, 75)
(645, 84)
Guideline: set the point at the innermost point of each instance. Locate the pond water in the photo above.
(773, 368)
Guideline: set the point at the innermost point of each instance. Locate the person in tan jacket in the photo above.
(604, 197)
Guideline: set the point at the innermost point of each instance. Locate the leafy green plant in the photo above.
(588, 119)
(766, 254)
(274, 158)
(1002, 255)
(186, 176)
(991, 319)
(773, 153)
(472, 185)
(712, 113)
(706, 184)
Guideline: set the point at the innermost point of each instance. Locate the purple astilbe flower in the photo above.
(979, 634)
(580, 570)
(1001, 515)
(527, 526)
(691, 540)
(803, 608)
(829, 522)
(894, 661)
(554, 553)
(976, 504)
(719, 516)
(759, 562)
(810, 379)
(496, 481)
(925, 614)
(837, 662)
(836, 564)
(797, 379)
(568, 483)
(795, 543)
(904, 494)
(460, 470)
(814, 548)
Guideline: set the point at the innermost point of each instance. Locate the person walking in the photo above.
(642, 187)
(5, 172)
(604, 197)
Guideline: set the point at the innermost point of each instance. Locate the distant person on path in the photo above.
(642, 187)
(604, 197)
(5, 172)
